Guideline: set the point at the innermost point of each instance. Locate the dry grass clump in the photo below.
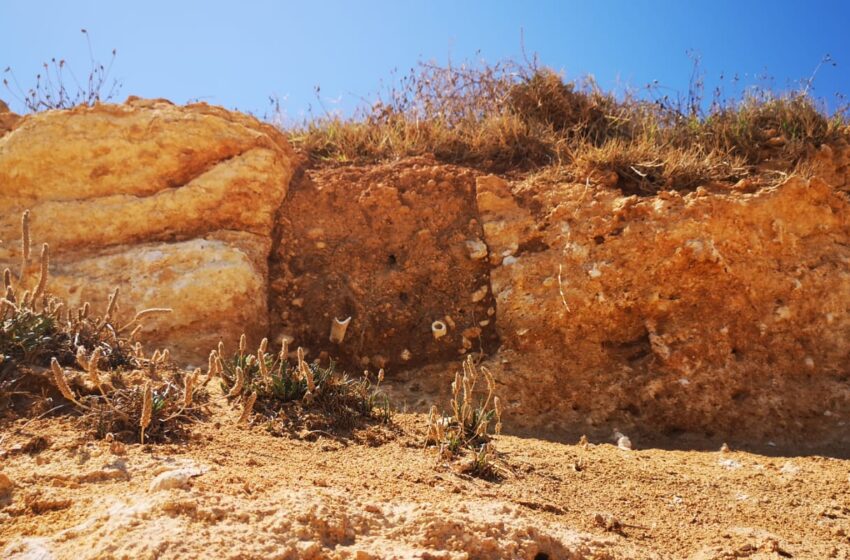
(295, 394)
(50, 352)
(468, 430)
(57, 87)
(522, 117)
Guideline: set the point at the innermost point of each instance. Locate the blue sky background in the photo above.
(236, 54)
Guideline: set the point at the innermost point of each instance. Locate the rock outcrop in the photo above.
(174, 205)
(723, 311)
(8, 119)
(719, 311)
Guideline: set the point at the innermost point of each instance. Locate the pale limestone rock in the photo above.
(173, 205)
(8, 119)
(174, 479)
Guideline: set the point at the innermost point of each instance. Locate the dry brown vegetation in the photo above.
(93, 366)
(57, 86)
(524, 117)
(294, 395)
(467, 429)
(87, 363)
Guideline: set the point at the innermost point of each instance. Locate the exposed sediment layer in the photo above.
(724, 310)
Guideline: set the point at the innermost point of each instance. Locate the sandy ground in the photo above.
(241, 493)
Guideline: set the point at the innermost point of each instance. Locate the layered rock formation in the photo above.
(718, 311)
(723, 311)
(174, 205)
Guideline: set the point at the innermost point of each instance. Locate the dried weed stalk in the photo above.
(279, 389)
(521, 116)
(106, 377)
(468, 428)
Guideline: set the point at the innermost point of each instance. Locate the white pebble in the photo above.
(177, 478)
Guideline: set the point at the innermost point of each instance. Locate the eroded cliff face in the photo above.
(396, 248)
(722, 311)
(173, 205)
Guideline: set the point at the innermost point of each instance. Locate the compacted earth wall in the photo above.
(721, 311)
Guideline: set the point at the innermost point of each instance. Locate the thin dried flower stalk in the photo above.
(246, 410)
(189, 387)
(91, 367)
(25, 244)
(211, 367)
(110, 307)
(306, 372)
(264, 345)
(264, 369)
(134, 333)
(7, 279)
(62, 383)
(497, 404)
(240, 382)
(284, 350)
(165, 356)
(491, 386)
(145, 313)
(243, 344)
(5, 302)
(435, 426)
(147, 410)
(45, 264)
(466, 407)
(456, 402)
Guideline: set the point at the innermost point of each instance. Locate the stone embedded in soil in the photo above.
(6, 485)
(174, 479)
(174, 205)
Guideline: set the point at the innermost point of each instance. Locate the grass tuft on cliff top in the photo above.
(524, 117)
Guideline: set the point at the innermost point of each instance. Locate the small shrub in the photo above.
(290, 391)
(57, 87)
(90, 361)
(467, 430)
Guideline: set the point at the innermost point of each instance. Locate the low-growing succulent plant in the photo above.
(265, 382)
(468, 428)
(90, 361)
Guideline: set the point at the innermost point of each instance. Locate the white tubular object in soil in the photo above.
(438, 328)
(338, 329)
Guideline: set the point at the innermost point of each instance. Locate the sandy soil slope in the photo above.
(376, 493)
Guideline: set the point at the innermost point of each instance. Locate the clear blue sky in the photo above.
(238, 53)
